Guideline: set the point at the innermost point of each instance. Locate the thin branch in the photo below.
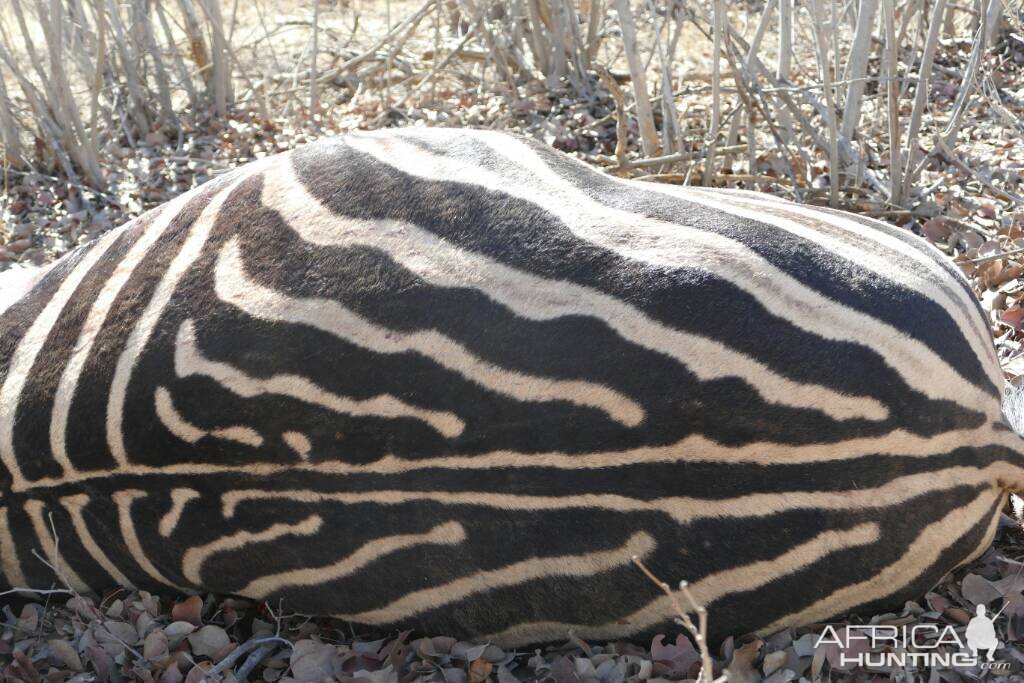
(697, 631)
(921, 94)
(644, 113)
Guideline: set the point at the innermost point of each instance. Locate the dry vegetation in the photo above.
(905, 110)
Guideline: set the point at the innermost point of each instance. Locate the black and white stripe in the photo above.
(455, 380)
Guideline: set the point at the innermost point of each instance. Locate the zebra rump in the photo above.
(455, 380)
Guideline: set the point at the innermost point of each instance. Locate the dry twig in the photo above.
(697, 631)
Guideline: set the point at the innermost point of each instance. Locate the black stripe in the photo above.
(35, 409)
(522, 235)
(900, 526)
(86, 430)
(15, 321)
(894, 303)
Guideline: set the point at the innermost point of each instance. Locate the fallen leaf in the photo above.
(773, 661)
(190, 610)
(156, 646)
(937, 230)
(176, 632)
(208, 641)
(479, 670)
(741, 667)
(66, 654)
(978, 589)
(312, 661)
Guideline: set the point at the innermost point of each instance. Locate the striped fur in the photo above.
(455, 380)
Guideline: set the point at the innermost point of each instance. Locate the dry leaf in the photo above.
(978, 589)
(176, 632)
(741, 667)
(773, 661)
(208, 641)
(66, 654)
(191, 610)
(479, 670)
(312, 661)
(156, 646)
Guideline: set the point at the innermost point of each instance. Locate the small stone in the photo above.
(18, 246)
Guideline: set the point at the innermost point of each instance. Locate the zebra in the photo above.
(454, 380)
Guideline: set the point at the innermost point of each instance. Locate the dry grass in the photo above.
(853, 89)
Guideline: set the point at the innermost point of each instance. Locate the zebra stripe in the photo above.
(186, 256)
(449, 533)
(543, 299)
(235, 288)
(75, 505)
(20, 364)
(453, 380)
(670, 244)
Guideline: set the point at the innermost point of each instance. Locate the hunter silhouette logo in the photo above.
(981, 633)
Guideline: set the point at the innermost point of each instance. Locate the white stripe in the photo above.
(639, 545)
(144, 326)
(17, 281)
(247, 436)
(124, 500)
(671, 244)
(29, 347)
(193, 560)
(449, 533)
(48, 540)
(835, 232)
(172, 419)
(706, 591)
(919, 557)
(96, 319)
(176, 424)
(9, 560)
(188, 361)
(934, 282)
(683, 510)
(234, 287)
(299, 443)
(179, 499)
(692, 449)
(74, 505)
(775, 289)
(442, 264)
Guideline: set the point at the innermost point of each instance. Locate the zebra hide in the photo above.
(455, 380)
